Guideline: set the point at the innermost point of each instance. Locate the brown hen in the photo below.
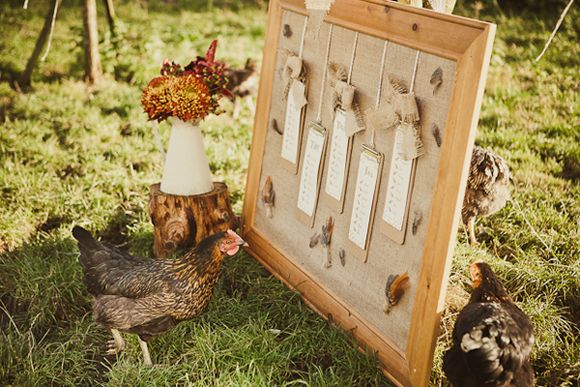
(492, 338)
(488, 188)
(238, 79)
(150, 296)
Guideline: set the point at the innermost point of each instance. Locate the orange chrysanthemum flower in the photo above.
(190, 93)
(185, 97)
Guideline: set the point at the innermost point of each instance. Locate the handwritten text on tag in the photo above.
(308, 191)
(397, 187)
(293, 122)
(366, 182)
(338, 157)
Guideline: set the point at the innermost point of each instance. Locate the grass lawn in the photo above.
(73, 155)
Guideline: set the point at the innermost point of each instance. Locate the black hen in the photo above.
(150, 296)
(492, 338)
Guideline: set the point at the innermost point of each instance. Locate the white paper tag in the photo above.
(308, 191)
(338, 156)
(366, 182)
(397, 187)
(292, 123)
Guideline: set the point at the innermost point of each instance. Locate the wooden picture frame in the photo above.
(468, 44)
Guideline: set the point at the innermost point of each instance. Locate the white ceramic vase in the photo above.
(186, 170)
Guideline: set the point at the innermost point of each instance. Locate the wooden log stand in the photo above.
(183, 221)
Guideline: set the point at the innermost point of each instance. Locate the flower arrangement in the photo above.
(189, 93)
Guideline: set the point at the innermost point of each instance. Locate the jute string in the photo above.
(412, 145)
(303, 38)
(324, 75)
(355, 44)
(414, 76)
(379, 89)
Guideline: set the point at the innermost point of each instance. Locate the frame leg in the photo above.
(471, 227)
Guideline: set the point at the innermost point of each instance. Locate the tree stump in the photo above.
(183, 221)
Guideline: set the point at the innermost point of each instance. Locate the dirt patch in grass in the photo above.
(52, 222)
(570, 169)
(71, 171)
(302, 366)
(116, 231)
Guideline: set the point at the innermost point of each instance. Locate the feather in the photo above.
(274, 125)
(342, 256)
(394, 290)
(327, 229)
(437, 134)
(269, 196)
(314, 239)
(436, 79)
(417, 221)
(325, 239)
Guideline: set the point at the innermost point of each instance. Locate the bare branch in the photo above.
(560, 20)
(52, 23)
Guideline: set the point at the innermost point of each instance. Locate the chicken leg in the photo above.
(471, 229)
(145, 350)
(117, 344)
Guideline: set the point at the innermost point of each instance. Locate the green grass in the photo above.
(73, 155)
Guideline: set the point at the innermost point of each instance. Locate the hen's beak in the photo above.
(238, 240)
(475, 274)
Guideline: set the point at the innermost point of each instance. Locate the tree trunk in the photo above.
(183, 221)
(111, 17)
(26, 76)
(93, 70)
